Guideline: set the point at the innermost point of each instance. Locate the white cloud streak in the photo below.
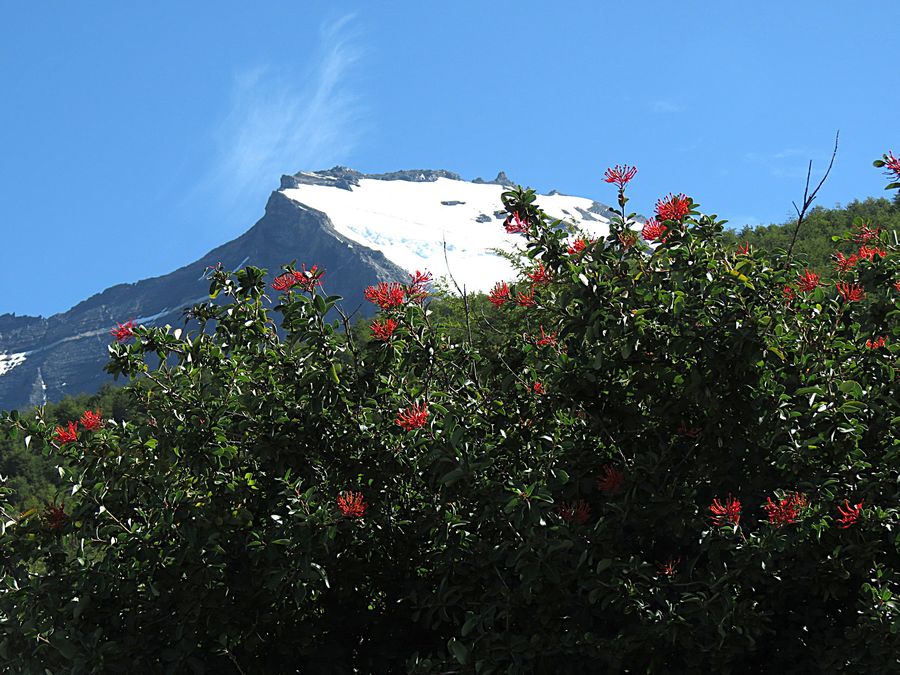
(278, 123)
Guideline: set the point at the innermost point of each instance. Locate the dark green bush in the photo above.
(640, 465)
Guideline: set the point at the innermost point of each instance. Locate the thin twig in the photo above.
(808, 198)
(465, 299)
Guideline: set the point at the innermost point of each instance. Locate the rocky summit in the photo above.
(360, 228)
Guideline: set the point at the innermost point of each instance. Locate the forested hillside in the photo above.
(814, 241)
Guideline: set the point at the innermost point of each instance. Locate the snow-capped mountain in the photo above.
(411, 216)
(360, 228)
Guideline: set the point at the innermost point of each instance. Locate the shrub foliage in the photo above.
(655, 451)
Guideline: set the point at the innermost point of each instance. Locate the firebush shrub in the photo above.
(654, 452)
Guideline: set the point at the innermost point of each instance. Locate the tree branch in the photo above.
(808, 198)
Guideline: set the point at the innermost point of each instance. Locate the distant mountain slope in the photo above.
(360, 228)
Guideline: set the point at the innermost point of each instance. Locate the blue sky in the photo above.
(136, 137)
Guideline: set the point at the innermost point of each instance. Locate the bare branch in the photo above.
(808, 198)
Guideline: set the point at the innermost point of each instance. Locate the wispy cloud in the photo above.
(666, 106)
(279, 122)
(789, 163)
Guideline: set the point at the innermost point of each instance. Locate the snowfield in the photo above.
(408, 222)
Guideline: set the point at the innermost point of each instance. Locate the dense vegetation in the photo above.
(672, 454)
(815, 240)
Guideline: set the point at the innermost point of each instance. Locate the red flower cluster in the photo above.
(897, 285)
(304, 279)
(744, 249)
(384, 330)
(524, 300)
(91, 421)
(869, 252)
(499, 294)
(653, 230)
(789, 294)
(417, 290)
(69, 434)
(729, 512)
(786, 510)
(892, 164)
(123, 331)
(351, 504)
(808, 281)
(515, 225)
(539, 276)
(673, 207)
(538, 388)
(669, 567)
(865, 234)
(849, 514)
(688, 432)
(574, 512)
(386, 294)
(577, 246)
(877, 343)
(413, 417)
(850, 293)
(55, 515)
(620, 175)
(843, 264)
(610, 480)
(546, 339)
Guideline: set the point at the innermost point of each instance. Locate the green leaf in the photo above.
(459, 651)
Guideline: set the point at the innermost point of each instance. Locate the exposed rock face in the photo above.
(45, 359)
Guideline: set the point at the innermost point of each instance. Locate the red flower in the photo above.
(91, 420)
(785, 511)
(669, 567)
(515, 225)
(808, 281)
(68, 434)
(897, 285)
(892, 164)
(539, 276)
(417, 291)
(538, 388)
(525, 300)
(499, 294)
(123, 331)
(620, 175)
(850, 293)
(55, 515)
(843, 264)
(729, 512)
(789, 294)
(743, 249)
(384, 331)
(386, 295)
(577, 246)
(869, 252)
(307, 280)
(574, 512)
(849, 514)
(688, 432)
(653, 230)
(866, 234)
(351, 504)
(673, 207)
(414, 417)
(877, 343)
(284, 282)
(546, 339)
(610, 480)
